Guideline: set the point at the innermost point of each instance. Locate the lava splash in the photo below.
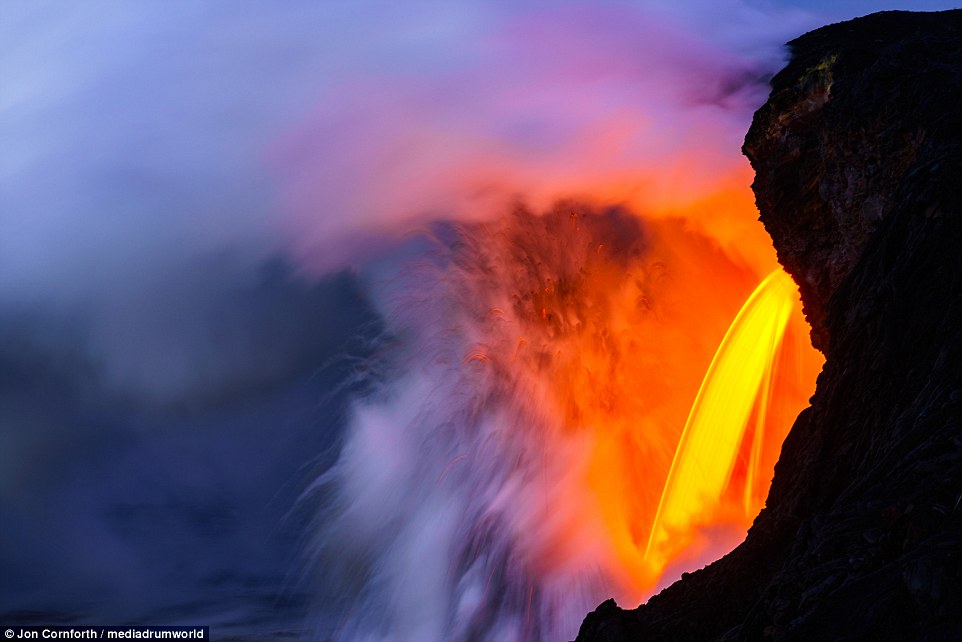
(528, 454)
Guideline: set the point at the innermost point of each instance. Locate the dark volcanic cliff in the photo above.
(858, 156)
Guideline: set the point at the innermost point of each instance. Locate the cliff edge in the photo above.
(858, 160)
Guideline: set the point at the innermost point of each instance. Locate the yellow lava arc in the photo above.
(739, 372)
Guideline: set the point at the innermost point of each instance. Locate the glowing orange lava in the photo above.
(605, 325)
(739, 375)
(719, 475)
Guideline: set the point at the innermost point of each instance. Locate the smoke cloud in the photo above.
(139, 137)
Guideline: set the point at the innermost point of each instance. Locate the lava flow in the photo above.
(739, 377)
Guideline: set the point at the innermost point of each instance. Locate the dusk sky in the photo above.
(200, 204)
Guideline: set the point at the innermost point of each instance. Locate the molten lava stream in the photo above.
(710, 442)
(756, 384)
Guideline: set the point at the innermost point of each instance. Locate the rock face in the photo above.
(858, 156)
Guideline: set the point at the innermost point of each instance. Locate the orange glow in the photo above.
(607, 326)
(724, 457)
(740, 371)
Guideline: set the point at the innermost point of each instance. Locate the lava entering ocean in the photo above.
(529, 454)
(183, 192)
(506, 474)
